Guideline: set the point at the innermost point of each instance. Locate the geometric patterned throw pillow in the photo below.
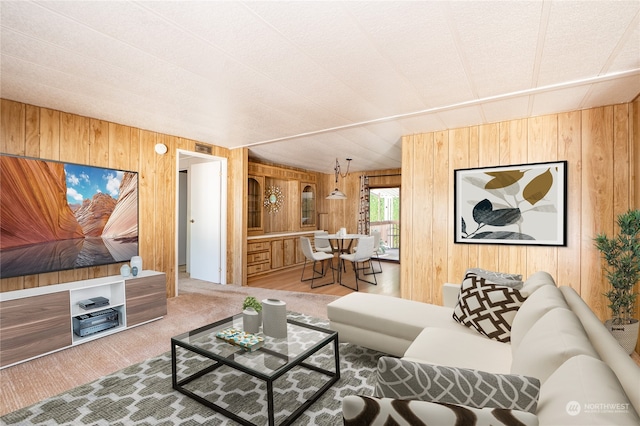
(487, 308)
(359, 410)
(402, 379)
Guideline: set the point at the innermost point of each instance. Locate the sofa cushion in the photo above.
(360, 410)
(403, 379)
(539, 303)
(487, 308)
(389, 315)
(552, 340)
(445, 347)
(502, 278)
(584, 391)
(536, 281)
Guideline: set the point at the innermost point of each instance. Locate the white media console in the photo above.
(38, 321)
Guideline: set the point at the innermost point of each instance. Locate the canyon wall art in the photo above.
(57, 216)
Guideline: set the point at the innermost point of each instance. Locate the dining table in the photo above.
(341, 243)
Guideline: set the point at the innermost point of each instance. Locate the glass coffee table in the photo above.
(199, 360)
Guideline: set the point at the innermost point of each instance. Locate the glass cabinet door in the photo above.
(308, 205)
(254, 203)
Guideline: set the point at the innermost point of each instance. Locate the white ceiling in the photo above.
(302, 83)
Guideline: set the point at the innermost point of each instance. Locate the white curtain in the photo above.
(363, 210)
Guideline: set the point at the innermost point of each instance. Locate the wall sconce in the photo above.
(336, 194)
(161, 148)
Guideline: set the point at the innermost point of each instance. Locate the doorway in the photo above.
(384, 217)
(201, 201)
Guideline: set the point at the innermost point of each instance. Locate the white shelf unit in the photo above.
(113, 291)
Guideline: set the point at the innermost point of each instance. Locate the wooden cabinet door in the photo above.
(277, 254)
(146, 298)
(34, 325)
(299, 253)
(289, 246)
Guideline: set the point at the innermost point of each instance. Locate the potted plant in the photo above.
(622, 256)
(252, 302)
(251, 321)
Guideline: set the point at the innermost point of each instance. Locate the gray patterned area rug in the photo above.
(142, 394)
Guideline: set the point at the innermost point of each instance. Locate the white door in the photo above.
(205, 223)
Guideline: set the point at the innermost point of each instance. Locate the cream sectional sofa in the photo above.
(585, 377)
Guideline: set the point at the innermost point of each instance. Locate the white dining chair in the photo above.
(361, 260)
(322, 244)
(317, 256)
(376, 251)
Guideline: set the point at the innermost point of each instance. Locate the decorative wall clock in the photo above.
(273, 199)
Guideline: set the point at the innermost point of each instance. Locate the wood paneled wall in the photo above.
(289, 180)
(54, 135)
(344, 213)
(601, 148)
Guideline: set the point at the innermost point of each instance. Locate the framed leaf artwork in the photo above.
(522, 204)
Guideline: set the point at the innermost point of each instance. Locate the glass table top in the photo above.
(274, 354)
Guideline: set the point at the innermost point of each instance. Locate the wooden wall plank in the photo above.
(49, 134)
(460, 157)
(597, 205)
(407, 217)
(12, 128)
(147, 198)
(119, 146)
(441, 234)
(424, 158)
(32, 131)
(570, 149)
(621, 155)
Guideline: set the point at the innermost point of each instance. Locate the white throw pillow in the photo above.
(537, 280)
(539, 303)
(552, 340)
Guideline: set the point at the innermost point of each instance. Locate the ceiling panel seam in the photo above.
(542, 36)
(633, 26)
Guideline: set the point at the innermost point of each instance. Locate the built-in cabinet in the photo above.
(37, 321)
(272, 253)
(291, 211)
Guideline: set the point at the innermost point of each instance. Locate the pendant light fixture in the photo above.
(336, 194)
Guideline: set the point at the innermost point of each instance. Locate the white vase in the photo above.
(136, 261)
(625, 334)
(125, 271)
(250, 321)
(274, 318)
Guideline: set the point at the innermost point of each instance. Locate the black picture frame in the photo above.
(522, 204)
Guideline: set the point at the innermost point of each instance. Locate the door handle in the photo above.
(193, 221)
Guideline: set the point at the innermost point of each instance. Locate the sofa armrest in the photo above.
(403, 379)
(360, 410)
(450, 294)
